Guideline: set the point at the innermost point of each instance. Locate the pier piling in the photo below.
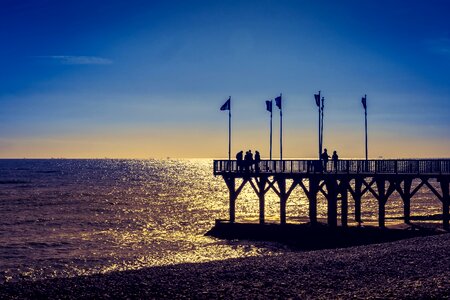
(405, 194)
(343, 190)
(445, 202)
(283, 199)
(331, 196)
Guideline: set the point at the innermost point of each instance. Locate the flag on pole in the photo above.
(317, 97)
(269, 105)
(226, 105)
(364, 103)
(278, 102)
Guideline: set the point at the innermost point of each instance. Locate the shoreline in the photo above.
(409, 268)
(320, 236)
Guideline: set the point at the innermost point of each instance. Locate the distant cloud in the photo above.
(78, 60)
(439, 46)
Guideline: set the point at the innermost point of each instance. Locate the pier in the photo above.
(336, 181)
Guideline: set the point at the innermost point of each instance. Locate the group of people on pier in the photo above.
(324, 157)
(250, 163)
(246, 162)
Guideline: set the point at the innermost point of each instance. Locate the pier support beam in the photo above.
(312, 198)
(357, 195)
(283, 199)
(231, 183)
(381, 202)
(343, 187)
(233, 194)
(332, 192)
(311, 194)
(382, 197)
(261, 195)
(406, 197)
(445, 203)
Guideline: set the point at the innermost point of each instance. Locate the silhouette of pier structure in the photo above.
(380, 178)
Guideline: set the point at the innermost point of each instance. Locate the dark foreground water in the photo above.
(62, 218)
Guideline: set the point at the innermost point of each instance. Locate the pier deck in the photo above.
(336, 181)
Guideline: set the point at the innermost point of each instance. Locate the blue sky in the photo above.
(147, 78)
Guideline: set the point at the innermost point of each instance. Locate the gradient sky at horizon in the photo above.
(141, 79)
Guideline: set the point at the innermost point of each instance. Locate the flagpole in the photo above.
(281, 132)
(229, 133)
(365, 115)
(321, 126)
(271, 132)
(320, 144)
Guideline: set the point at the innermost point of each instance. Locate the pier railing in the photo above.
(352, 166)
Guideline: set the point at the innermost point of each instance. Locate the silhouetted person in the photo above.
(248, 160)
(257, 160)
(245, 162)
(335, 159)
(239, 158)
(324, 156)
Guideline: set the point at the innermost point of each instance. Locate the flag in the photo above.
(226, 105)
(269, 105)
(278, 101)
(364, 103)
(317, 97)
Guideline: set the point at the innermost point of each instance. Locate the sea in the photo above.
(72, 217)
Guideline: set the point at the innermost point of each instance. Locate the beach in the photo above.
(415, 268)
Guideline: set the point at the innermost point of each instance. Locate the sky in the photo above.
(146, 79)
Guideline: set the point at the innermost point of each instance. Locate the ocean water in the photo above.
(62, 218)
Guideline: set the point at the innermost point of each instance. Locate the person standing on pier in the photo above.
(335, 159)
(239, 158)
(257, 160)
(248, 160)
(325, 158)
(245, 162)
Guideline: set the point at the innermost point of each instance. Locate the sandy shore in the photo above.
(411, 268)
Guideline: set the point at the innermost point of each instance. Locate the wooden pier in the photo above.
(336, 181)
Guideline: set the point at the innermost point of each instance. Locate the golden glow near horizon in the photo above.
(204, 144)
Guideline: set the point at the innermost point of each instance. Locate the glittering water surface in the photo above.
(72, 217)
